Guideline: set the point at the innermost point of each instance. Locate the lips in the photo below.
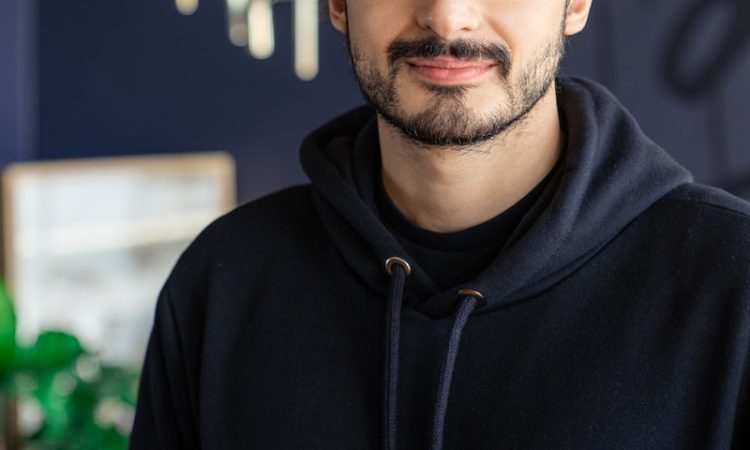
(449, 70)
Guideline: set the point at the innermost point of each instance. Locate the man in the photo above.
(492, 258)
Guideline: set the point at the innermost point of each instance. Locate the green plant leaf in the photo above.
(7, 332)
(51, 351)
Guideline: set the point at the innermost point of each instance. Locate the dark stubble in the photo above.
(448, 121)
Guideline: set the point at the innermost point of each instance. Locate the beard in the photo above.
(447, 121)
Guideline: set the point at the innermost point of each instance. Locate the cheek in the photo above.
(371, 47)
(375, 24)
(366, 52)
(529, 51)
(525, 25)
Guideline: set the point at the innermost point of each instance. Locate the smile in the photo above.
(449, 70)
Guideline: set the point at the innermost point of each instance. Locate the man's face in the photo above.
(455, 72)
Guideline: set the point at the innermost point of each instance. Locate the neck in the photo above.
(451, 189)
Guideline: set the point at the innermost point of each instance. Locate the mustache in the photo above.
(432, 47)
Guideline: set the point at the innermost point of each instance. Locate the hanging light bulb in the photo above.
(306, 39)
(260, 37)
(186, 7)
(237, 21)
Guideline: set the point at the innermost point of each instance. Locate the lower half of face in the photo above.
(432, 108)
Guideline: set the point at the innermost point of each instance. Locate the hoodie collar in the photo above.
(610, 174)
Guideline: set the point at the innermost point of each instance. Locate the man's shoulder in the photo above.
(282, 220)
(279, 208)
(709, 202)
(706, 226)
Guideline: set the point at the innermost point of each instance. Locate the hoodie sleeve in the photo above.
(741, 438)
(166, 413)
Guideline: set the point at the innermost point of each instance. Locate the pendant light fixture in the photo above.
(250, 24)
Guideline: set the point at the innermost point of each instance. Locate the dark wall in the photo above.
(17, 26)
(136, 77)
(682, 67)
(8, 78)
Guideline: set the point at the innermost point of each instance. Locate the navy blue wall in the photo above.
(136, 77)
(17, 83)
(682, 67)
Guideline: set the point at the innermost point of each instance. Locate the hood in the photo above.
(611, 173)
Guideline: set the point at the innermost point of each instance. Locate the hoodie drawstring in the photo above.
(399, 270)
(469, 299)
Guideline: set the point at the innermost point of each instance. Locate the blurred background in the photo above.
(125, 127)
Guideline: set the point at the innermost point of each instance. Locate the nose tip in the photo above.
(448, 19)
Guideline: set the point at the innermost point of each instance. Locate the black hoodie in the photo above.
(617, 315)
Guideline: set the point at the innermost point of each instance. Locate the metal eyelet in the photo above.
(396, 260)
(481, 301)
